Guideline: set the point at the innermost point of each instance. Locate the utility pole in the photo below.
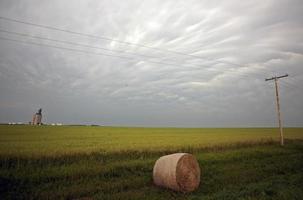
(276, 78)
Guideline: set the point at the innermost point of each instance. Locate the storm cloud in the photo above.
(205, 65)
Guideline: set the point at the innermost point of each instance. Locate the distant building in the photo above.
(56, 124)
(37, 118)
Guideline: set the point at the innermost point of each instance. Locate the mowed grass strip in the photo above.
(258, 171)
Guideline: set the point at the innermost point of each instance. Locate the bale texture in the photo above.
(179, 172)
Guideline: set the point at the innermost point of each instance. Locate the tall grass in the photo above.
(263, 170)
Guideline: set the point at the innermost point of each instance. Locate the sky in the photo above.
(153, 63)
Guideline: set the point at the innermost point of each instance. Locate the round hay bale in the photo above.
(179, 172)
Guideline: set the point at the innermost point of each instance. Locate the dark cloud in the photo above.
(236, 45)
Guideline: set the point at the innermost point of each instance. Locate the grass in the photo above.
(236, 163)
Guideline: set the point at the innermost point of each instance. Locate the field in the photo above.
(78, 162)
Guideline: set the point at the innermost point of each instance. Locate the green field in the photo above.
(78, 162)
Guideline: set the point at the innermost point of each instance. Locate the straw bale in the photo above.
(179, 172)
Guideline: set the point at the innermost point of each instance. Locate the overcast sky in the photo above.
(226, 50)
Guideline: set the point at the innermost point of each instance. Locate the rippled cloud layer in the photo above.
(153, 63)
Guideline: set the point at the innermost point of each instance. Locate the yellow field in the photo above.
(56, 140)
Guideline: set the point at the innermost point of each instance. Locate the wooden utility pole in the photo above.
(276, 78)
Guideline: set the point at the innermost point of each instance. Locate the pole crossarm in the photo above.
(276, 77)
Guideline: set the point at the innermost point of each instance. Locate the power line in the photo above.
(118, 41)
(111, 39)
(82, 51)
(83, 45)
(289, 83)
(94, 53)
(70, 43)
(90, 35)
(98, 54)
(97, 47)
(89, 52)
